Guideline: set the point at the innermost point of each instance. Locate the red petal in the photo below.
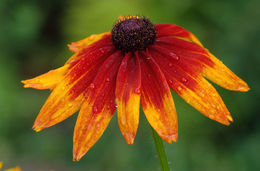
(98, 108)
(190, 85)
(79, 45)
(156, 100)
(128, 96)
(212, 68)
(68, 96)
(175, 31)
(84, 48)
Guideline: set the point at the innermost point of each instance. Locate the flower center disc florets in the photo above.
(132, 33)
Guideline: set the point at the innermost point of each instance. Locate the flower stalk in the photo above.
(160, 151)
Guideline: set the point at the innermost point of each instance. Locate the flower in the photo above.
(137, 62)
(11, 169)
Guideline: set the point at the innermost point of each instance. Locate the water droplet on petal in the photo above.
(149, 75)
(170, 81)
(107, 79)
(102, 50)
(171, 54)
(92, 86)
(95, 109)
(170, 64)
(69, 104)
(174, 56)
(115, 103)
(184, 80)
(137, 91)
(179, 88)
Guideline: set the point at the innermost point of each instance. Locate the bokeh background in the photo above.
(33, 39)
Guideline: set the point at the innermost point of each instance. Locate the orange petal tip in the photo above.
(37, 128)
(230, 118)
(170, 138)
(129, 138)
(243, 87)
(26, 83)
(77, 156)
(174, 137)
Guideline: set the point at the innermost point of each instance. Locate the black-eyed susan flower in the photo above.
(137, 62)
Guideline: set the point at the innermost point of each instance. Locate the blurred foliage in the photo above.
(33, 38)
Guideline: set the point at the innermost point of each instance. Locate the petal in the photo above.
(79, 45)
(84, 47)
(68, 96)
(48, 80)
(213, 68)
(176, 31)
(191, 86)
(128, 86)
(224, 77)
(156, 100)
(98, 108)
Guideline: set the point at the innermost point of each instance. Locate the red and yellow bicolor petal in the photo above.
(68, 95)
(183, 62)
(206, 63)
(98, 108)
(173, 30)
(224, 77)
(89, 44)
(157, 101)
(191, 86)
(79, 45)
(128, 93)
(48, 80)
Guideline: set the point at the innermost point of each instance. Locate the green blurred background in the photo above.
(33, 39)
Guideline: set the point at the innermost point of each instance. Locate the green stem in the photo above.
(160, 151)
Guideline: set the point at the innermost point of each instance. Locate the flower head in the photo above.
(137, 62)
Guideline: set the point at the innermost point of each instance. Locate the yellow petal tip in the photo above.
(130, 141)
(230, 118)
(37, 128)
(243, 87)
